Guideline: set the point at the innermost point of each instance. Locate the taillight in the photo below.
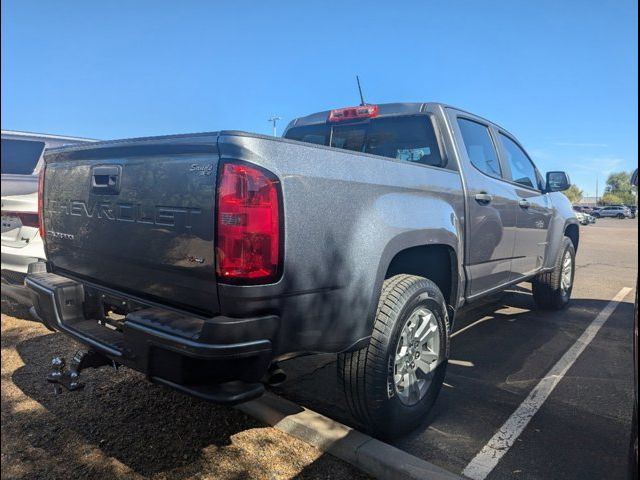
(27, 219)
(248, 224)
(41, 202)
(353, 113)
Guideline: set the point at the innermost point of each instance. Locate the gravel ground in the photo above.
(121, 426)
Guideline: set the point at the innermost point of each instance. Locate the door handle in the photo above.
(483, 198)
(524, 204)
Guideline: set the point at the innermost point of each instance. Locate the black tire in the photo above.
(367, 375)
(596, 215)
(547, 291)
(621, 216)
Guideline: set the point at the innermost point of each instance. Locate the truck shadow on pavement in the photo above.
(501, 348)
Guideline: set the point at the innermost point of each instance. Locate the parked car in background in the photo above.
(613, 211)
(582, 208)
(204, 259)
(582, 213)
(21, 157)
(583, 218)
(633, 209)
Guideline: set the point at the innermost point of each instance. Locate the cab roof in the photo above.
(386, 110)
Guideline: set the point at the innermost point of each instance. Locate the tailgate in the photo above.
(137, 216)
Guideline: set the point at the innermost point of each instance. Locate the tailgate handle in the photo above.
(105, 179)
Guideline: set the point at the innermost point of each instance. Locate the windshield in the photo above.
(409, 138)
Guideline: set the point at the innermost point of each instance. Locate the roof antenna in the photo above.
(362, 102)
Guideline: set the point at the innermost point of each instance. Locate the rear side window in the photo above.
(20, 156)
(412, 139)
(480, 148)
(408, 138)
(522, 170)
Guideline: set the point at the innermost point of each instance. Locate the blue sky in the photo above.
(561, 75)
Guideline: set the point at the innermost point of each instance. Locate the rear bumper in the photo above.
(13, 284)
(218, 359)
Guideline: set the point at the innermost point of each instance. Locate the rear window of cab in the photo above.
(409, 138)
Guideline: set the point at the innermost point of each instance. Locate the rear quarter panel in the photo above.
(346, 215)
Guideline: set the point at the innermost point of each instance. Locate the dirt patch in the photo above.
(121, 426)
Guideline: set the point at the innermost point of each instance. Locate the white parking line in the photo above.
(486, 460)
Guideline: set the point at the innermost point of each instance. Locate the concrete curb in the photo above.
(374, 457)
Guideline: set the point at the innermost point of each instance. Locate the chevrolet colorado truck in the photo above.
(202, 260)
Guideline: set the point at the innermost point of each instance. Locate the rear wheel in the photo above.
(392, 383)
(552, 290)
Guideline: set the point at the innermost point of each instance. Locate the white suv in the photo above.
(614, 211)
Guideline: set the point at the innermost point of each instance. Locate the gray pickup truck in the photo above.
(202, 260)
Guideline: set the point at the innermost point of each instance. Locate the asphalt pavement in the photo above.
(501, 350)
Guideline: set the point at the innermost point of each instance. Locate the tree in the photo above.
(619, 198)
(574, 194)
(619, 182)
(611, 199)
(619, 190)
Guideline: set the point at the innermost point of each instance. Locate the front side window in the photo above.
(480, 148)
(522, 170)
(408, 138)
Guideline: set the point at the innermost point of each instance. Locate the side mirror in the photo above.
(557, 182)
(634, 178)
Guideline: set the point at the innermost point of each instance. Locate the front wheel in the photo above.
(621, 216)
(392, 383)
(552, 290)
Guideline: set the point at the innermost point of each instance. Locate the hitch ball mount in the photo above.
(69, 378)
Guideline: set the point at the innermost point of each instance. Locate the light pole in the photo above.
(274, 120)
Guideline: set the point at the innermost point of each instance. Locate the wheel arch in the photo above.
(572, 231)
(437, 260)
